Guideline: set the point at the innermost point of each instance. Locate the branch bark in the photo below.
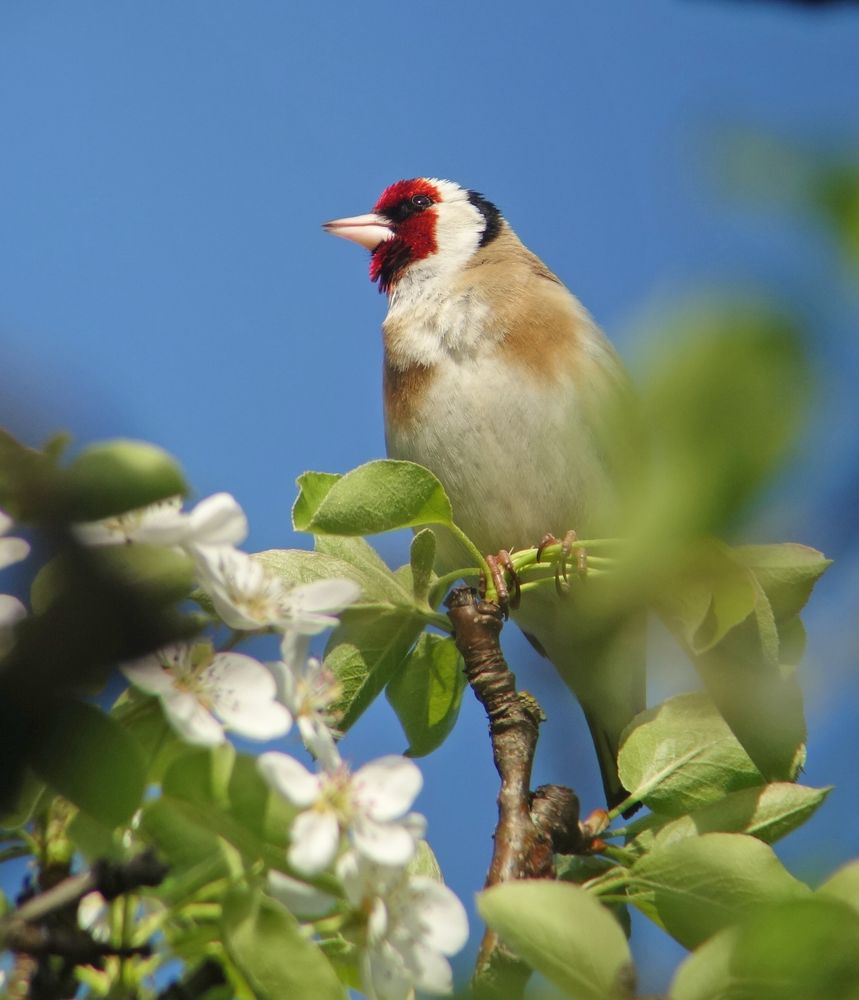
(531, 827)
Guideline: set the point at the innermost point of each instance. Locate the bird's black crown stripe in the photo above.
(491, 216)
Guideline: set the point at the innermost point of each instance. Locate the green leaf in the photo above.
(699, 885)
(24, 473)
(116, 476)
(379, 496)
(313, 487)
(804, 949)
(711, 596)
(426, 693)
(22, 807)
(563, 933)
(681, 755)
(843, 885)
(425, 863)
(202, 776)
(197, 855)
(297, 566)
(716, 413)
(364, 651)
(166, 575)
(90, 759)
(768, 812)
(787, 572)
(272, 953)
(422, 559)
(761, 701)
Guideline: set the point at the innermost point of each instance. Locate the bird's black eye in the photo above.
(420, 201)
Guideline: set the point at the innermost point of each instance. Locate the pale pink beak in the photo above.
(368, 230)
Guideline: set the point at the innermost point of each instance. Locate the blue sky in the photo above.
(164, 171)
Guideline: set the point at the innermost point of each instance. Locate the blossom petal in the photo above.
(443, 920)
(289, 777)
(239, 675)
(387, 787)
(12, 550)
(218, 520)
(315, 838)
(389, 978)
(11, 610)
(149, 675)
(191, 720)
(383, 843)
(327, 596)
(256, 722)
(431, 970)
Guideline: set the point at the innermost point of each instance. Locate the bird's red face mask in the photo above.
(399, 231)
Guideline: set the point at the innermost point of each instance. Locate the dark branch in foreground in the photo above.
(531, 828)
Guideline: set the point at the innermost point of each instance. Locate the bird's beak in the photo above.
(368, 230)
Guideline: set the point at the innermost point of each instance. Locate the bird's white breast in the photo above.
(515, 454)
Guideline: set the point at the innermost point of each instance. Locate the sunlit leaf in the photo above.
(803, 949)
(681, 755)
(376, 497)
(426, 693)
(365, 650)
(699, 885)
(565, 934)
(272, 953)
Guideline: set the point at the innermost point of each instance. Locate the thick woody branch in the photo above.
(530, 827)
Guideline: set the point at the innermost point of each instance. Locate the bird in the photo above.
(497, 379)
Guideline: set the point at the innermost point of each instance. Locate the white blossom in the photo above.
(218, 520)
(412, 924)
(308, 689)
(248, 596)
(12, 550)
(369, 806)
(203, 692)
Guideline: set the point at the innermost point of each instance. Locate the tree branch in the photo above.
(530, 827)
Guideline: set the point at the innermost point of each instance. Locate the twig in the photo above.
(530, 827)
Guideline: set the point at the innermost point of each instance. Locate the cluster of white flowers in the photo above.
(12, 550)
(356, 827)
(203, 692)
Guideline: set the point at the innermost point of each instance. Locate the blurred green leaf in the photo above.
(30, 796)
(563, 933)
(426, 693)
(113, 477)
(699, 885)
(91, 760)
(711, 596)
(425, 863)
(165, 575)
(272, 953)
(787, 573)
(843, 885)
(365, 650)
(24, 473)
(376, 497)
(768, 812)
(422, 559)
(804, 949)
(681, 755)
(761, 701)
(197, 855)
(723, 403)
